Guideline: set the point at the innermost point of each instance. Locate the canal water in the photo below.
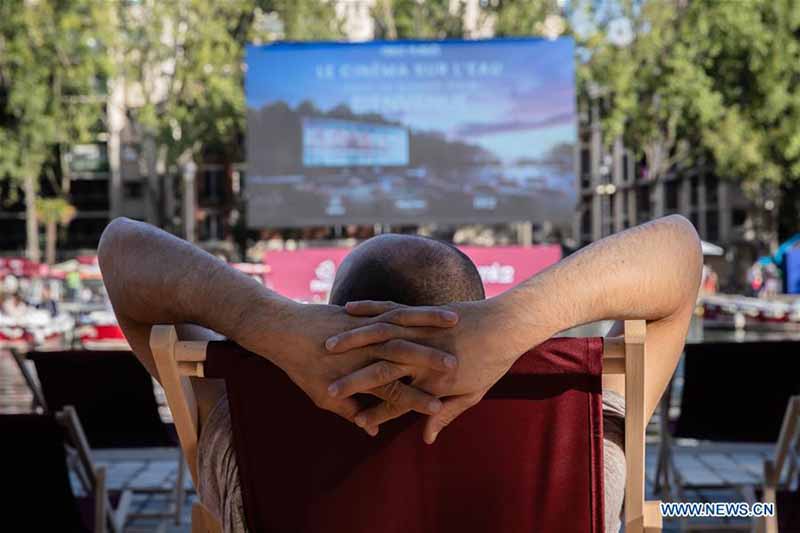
(15, 396)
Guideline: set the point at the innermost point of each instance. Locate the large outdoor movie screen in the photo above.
(408, 132)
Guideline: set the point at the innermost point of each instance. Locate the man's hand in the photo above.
(650, 272)
(483, 340)
(301, 331)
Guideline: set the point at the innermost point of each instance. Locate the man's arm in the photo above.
(649, 272)
(153, 277)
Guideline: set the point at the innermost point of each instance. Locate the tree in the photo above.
(653, 90)
(410, 19)
(186, 58)
(511, 18)
(53, 212)
(51, 65)
(752, 53)
(713, 81)
(297, 20)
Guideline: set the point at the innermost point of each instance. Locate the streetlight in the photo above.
(605, 189)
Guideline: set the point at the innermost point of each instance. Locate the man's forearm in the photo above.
(153, 277)
(648, 272)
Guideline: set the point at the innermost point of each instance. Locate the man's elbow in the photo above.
(684, 233)
(689, 234)
(685, 236)
(112, 242)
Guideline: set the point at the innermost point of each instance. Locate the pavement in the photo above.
(143, 470)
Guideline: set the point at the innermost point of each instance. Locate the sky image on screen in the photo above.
(411, 131)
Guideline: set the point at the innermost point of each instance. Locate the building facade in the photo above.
(614, 194)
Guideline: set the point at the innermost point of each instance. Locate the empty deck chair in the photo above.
(114, 399)
(782, 474)
(527, 458)
(36, 492)
(734, 397)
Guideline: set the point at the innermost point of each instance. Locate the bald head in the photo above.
(409, 270)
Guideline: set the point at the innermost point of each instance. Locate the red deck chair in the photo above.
(528, 458)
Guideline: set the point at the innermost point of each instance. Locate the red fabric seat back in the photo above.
(528, 458)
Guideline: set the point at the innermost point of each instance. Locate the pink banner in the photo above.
(307, 275)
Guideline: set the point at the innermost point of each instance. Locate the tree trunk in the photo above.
(388, 14)
(51, 242)
(31, 222)
(66, 172)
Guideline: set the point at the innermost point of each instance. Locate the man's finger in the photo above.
(399, 400)
(451, 409)
(365, 336)
(369, 307)
(347, 408)
(434, 317)
(416, 355)
(365, 379)
(371, 419)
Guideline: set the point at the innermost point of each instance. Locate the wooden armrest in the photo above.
(190, 351)
(614, 355)
(650, 520)
(652, 516)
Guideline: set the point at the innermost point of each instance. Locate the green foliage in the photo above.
(52, 65)
(304, 20)
(755, 56)
(715, 78)
(187, 55)
(519, 17)
(410, 19)
(54, 211)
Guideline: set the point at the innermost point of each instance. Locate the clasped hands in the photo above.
(438, 361)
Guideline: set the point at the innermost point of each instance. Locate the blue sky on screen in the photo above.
(515, 97)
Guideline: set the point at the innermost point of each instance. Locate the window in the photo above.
(627, 175)
(91, 195)
(711, 191)
(84, 232)
(712, 225)
(212, 186)
(133, 190)
(625, 220)
(212, 227)
(738, 217)
(643, 203)
(671, 189)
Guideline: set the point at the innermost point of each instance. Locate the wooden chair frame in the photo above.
(177, 361)
(38, 403)
(93, 478)
(786, 458)
(79, 458)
